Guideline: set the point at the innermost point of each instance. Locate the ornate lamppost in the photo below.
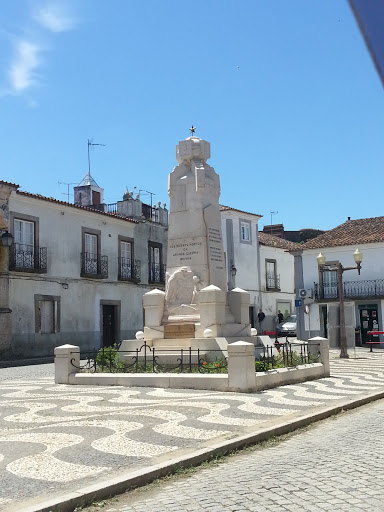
(323, 267)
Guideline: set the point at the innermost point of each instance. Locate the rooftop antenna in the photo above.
(68, 184)
(273, 213)
(90, 143)
(147, 192)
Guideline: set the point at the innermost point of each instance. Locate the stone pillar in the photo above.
(322, 344)
(239, 301)
(241, 367)
(153, 303)
(67, 361)
(212, 308)
(333, 325)
(350, 323)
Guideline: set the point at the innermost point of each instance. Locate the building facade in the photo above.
(76, 273)
(259, 263)
(363, 294)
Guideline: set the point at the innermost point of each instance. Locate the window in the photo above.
(24, 243)
(126, 264)
(272, 279)
(93, 264)
(329, 284)
(156, 274)
(47, 314)
(245, 231)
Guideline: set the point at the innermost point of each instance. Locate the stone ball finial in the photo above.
(193, 148)
(139, 335)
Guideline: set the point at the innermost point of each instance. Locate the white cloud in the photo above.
(54, 17)
(22, 71)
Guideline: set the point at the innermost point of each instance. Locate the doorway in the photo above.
(109, 322)
(369, 321)
(324, 317)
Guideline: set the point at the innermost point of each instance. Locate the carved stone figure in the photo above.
(180, 288)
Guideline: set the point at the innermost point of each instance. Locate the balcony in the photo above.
(273, 282)
(129, 270)
(371, 289)
(25, 258)
(156, 273)
(94, 265)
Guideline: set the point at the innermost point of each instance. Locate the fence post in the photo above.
(241, 366)
(63, 362)
(323, 345)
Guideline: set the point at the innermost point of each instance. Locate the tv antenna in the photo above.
(68, 184)
(147, 192)
(273, 213)
(90, 143)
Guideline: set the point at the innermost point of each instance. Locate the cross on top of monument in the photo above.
(192, 130)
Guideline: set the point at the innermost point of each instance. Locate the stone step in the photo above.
(175, 343)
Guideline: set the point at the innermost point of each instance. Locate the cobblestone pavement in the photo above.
(334, 465)
(55, 439)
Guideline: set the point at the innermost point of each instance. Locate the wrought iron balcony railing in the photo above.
(365, 289)
(129, 270)
(273, 282)
(94, 265)
(156, 273)
(27, 258)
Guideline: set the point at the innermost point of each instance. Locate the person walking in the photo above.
(260, 318)
(280, 317)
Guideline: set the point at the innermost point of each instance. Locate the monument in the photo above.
(196, 307)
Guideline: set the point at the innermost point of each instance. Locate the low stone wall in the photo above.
(241, 376)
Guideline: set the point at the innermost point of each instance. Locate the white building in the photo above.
(260, 264)
(76, 273)
(363, 294)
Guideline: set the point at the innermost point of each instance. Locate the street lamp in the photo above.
(6, 238)
(323, 267)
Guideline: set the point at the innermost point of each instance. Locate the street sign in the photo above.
(298, 303)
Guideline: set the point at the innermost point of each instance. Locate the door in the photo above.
(368, 322)
(324, 315)
(109, 325)
(252, 315)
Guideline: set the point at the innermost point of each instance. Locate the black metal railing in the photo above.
(285, 355)
(94, 265)
(28, 258)
(129, 270)
(364, 289)
(156, 273)
(148, 359)
(273, 282)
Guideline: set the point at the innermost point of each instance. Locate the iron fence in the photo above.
(148, 359)
(364, 289)
(286, 355)
(28, 258)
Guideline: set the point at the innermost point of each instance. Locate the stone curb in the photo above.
(118, 485)
(26, 362)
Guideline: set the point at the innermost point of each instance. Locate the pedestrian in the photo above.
(260, 317)
(280, 317)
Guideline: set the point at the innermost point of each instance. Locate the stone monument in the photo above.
(196, 305)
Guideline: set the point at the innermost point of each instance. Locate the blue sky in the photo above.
(285, 92)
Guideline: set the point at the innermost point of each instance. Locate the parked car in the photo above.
(288, 327)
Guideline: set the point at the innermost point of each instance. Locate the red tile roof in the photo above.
(2, 182)
(275, 241)
(64, 203)
(353, 232)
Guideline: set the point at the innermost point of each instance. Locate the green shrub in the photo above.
(108, 359)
